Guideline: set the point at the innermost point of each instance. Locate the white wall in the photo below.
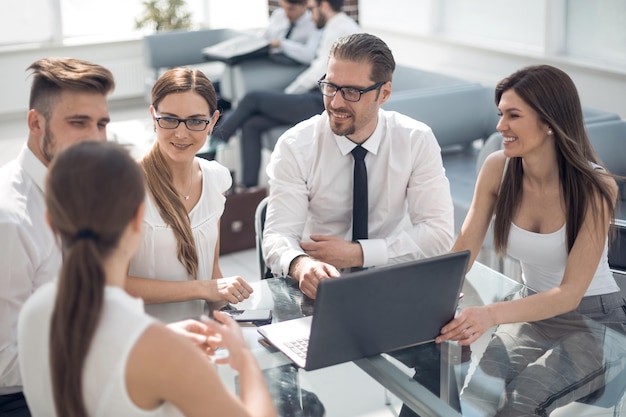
(124, 59)
(412, 42)
(599, 87)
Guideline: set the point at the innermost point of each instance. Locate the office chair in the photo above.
(259, 225)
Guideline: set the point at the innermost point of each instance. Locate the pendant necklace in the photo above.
(186, 197)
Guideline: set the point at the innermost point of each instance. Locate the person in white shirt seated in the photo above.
(292, 33)
(407, 213)
(68, 104)
(86, 346)
(259, 111)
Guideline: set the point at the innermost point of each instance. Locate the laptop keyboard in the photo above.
(299, 346)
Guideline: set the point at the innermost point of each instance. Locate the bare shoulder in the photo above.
(490, 175)
(495, 161)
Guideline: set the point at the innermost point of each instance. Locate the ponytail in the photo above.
(75, 317)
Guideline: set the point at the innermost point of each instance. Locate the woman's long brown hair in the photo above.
(93, 191)
(553, 95)
(158, 174)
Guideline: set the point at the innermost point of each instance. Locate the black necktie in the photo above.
(289, 30)
(359, 195)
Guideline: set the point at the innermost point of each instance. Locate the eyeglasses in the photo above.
(168, 122)
(352, 94)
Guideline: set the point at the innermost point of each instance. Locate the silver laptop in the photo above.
(237, 48)
(373, 311)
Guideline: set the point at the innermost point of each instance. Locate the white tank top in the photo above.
(122, 322)
(543, 256)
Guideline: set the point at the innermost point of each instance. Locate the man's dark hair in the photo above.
(366, 48)
(336, 5)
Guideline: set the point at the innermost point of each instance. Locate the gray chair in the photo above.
(617, 254)
(609, 141)
(259, 225)
(178, 48)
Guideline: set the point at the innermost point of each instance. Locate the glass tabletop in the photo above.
(577, 356)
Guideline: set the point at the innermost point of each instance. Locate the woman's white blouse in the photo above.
(157, 255)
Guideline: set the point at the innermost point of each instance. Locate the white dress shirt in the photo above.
(157, 256)
(410, 212)
(29, 255)
(302, 41)
(337, 26)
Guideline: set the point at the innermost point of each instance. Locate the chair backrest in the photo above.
(180, 48)
(617, 249)
(259, 225)
(469, 105)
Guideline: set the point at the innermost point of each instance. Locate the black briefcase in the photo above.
(237, 224)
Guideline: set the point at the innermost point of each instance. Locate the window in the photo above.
(518, 24)
(93, 17)
(596, 30)
(28, 21)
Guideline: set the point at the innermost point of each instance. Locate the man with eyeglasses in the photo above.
(259, 111)
(318, 220)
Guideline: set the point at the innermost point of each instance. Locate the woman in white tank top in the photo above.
(86, 347)
(552, 208)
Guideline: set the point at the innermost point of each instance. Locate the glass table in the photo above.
(331, 391)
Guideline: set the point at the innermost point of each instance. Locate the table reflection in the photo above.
(571, 357)
(535, 368)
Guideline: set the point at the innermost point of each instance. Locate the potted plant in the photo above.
(162, 15)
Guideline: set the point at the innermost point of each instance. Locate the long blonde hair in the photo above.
(158, 174)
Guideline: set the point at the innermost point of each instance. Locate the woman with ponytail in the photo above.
(86, 347)
(176, 268)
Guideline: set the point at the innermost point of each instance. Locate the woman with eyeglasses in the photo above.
(176, 268)
(86, 347)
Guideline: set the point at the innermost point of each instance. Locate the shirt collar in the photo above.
(33, 167)
(304, 18)
(372, 144)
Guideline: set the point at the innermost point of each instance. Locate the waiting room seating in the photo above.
(179, 48)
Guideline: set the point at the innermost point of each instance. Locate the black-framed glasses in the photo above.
(352, 94)
(169, 122)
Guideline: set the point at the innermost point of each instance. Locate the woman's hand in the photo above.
(225, 333)
(467, 326)
(230, 289)
(194, 331)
